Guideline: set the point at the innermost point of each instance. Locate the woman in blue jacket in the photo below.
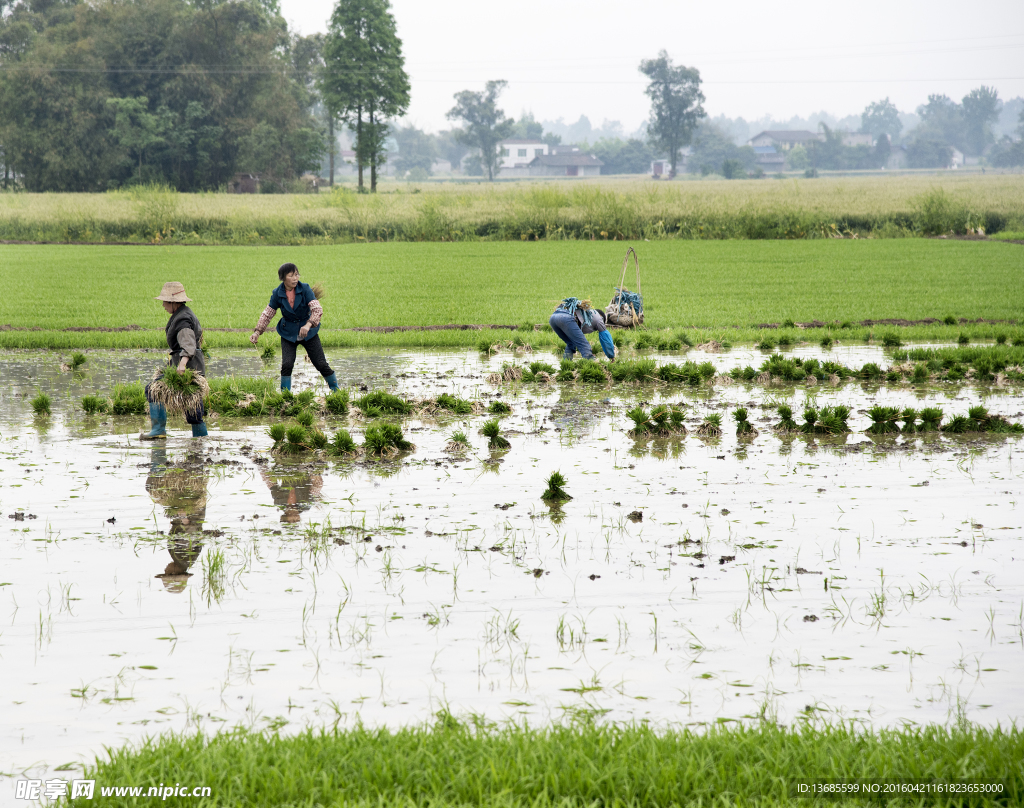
(299, 323)
(572, 319)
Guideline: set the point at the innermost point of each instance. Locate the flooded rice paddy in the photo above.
(207, 584)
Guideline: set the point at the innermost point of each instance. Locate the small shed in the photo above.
(573, 164)
(244, 184)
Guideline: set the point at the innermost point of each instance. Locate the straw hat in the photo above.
(173, 292)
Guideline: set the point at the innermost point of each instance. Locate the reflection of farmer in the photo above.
(184, 338)
(293, 492)
(300, 321)
(182, 493)
(572, 319)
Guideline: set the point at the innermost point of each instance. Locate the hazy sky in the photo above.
(564, 59)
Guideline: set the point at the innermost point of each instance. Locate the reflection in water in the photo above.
(293, 490)
(181, 490)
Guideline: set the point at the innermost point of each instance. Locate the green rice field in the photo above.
(599, 209)
(709, 285)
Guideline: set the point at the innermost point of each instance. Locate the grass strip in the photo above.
(454, 764)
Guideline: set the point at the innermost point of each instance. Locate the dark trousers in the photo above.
(314, 350)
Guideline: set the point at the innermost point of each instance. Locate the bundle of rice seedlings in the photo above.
(342, 445)
(920, 375)
(684, 339)
(592, 373)
(385, 440)
(317, 439)
(277, 432)
(767, 343)
(810, 419)
(296, 440)
(963, 339)
(909, 418)
(949, 319)
(787, 424)
(832, 420)
(566, 371)
(638, 415)
(129, 399)
(645, 341)
(94, 405)
(711, 427)
(267, 354)
(958, 424)
(541, 367)
(336, 402)
(555, 492)
(669, 344)
(711, 346)
(785, 340)
(77, 360)
(931, 419)
(518, 343)
(870, 371)
(459, 406)
(41, 404)
(305, 418)
(827, 342)
(457, 443)
(883, 420)
(180, 392)
(492, 431)
(508, 373)
(499, 408)
(378, 403)
(487, 345)
(743, 426)
(891, 340)
(664, 419)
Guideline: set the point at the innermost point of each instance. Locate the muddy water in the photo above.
(203, 584)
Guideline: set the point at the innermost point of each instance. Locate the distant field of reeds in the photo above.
(606, 209)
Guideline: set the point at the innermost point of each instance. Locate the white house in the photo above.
(573, 164)
(515, 154)
(784, 139)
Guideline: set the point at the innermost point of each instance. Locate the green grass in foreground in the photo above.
(685, 283)
(453, 764)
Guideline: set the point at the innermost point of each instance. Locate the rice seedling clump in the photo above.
(94, 405)
(458, 406)
(77, 360)
(664, 419)
(909, 418)
(277, 432)
(711, 427)
(129, 399)
(555, 492)
(743, 426)
(337, 402)
(41, 404)
(787, 424)
(883, 420)
(342, 445)
(931, 419)
(267, 354)
(305, 418)
(499, 408)
(492, 431)
(457, 443)
(378, 403)
(385, 440)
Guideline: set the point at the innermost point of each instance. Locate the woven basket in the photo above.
(620, 312)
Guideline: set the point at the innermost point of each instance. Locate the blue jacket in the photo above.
(293, 319)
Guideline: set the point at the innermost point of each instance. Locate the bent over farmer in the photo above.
(184, 339)
(572, 319)
(300, 321)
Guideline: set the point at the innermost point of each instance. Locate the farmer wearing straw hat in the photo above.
(572, 319)
(184, 339)
(299, 323)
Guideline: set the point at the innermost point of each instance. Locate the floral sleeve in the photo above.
(265, 318)
(316, 311)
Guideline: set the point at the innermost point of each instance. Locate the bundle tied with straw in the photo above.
(181, 392)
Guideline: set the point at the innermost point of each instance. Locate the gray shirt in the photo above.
(596, 321)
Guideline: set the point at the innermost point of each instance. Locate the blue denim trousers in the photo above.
(568, 330)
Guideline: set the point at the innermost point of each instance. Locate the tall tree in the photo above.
(137, 129)
(881, 118)
(942, 119)
(675, 104)
(980, 110)
(364, 78)
(485, 125)
(416, 150)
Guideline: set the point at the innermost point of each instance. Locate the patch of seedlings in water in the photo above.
(94, 405)
(457, 443)
(883, 420)
(826, 421)
(492, 431)
(336, 402)
(555, 492)
(267, 354)
(379, 402)
(891, 339)
(787, 425)
(663, 342)
(711, 426)
(499, 408)
(979, 419)
(538, 372)
(931, 419)
(963, 339)
(663, 420)
(305, 418)
(41, 404)
(385, 440)
(450, 403)
(342, 445)
(743, 427)
(827, 342)
(909, 418)
(129, 399)
(77, 360)
(509, 372)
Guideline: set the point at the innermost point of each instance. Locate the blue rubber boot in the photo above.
(199, 430)
(286, 383)
(158, 415)
(332, 381)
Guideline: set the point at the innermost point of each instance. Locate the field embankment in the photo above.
(607, 209)
(75, 292)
